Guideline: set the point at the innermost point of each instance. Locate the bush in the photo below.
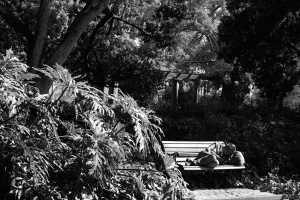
(69, 144)
(274, 183)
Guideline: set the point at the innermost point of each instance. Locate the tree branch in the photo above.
(91, 10)
(134, 26)
(15, 23)
(110, 26)
(104, 20)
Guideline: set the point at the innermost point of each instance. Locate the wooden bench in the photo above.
(190, 149)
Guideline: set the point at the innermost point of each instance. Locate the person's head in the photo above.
(229, 149)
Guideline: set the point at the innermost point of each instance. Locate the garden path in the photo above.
(234, 194)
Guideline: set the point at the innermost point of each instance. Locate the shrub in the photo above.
(70, 143)
(289, 187)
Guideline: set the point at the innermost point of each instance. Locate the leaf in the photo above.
(139, 183)
(169, 162)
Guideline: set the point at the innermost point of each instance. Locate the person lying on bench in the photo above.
(214, 155)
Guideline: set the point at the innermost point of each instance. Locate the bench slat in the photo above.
(186, 145)
(193, 150)
(183, 159)
(203, 145)
(189, 142)
(220, 167)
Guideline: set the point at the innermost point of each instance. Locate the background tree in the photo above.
(194, 37)
(262, 37)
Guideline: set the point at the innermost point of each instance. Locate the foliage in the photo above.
(262, 38)
(147, 183)
(246, 127)
(143, 38)
(194, 42)
(171, 188)
(7, 41)
(274, 183)
(70, 143)
(281, 185)
(178, 34)
(127, 42)
(116, 61)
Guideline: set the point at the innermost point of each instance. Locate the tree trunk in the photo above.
(82, 20)
(36, 48)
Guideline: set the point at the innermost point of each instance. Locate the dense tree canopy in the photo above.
(262, 37)
(120, 41)
(195, 37)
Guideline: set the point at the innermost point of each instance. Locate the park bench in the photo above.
(190, 149)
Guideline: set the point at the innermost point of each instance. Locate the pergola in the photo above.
(175, 77)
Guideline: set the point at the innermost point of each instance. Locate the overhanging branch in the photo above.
(103, 21)
(134, 26)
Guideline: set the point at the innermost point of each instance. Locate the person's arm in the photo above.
(211, 147)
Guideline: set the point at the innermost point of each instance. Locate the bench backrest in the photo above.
(186, 148)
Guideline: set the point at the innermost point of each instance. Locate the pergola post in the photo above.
(116, 89)
(110, 91)
(205, 88)
(105, 92)
(113, 90)
(174, 100)
(195, 91)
